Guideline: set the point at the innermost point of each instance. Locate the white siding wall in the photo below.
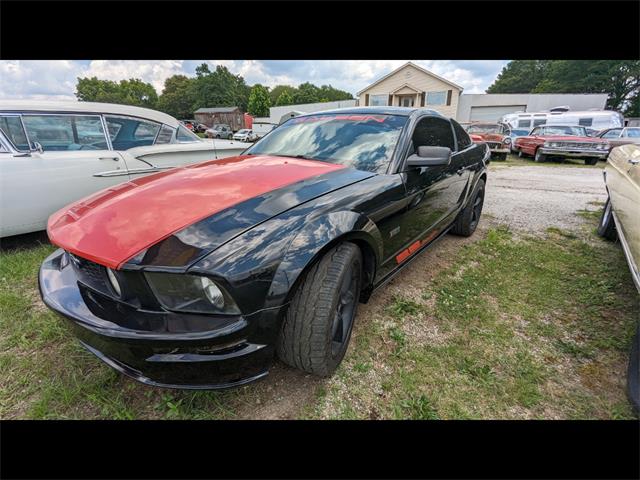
(532, 102)
(275, 113)
(420, 81)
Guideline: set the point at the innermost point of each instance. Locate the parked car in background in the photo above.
(245, 135)
(495, 135)
(219, 131)
(52, 153)
(593, 119)
(190, 124)
(514, 134)
(565, 141)
(203, 288)
(621, 220)
(262, 128)
(620, 136)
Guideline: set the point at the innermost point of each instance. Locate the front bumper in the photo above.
(236, 351)
(576, 153)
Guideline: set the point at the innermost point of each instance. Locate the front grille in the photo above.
(580, 145)
(494, 144)
(91, 274)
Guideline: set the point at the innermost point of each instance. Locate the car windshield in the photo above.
(362, 141)
(572, 131)
(243, 131)
(519, 133)
(483, 129)
(633, 132)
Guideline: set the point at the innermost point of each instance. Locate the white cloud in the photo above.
(57, 79)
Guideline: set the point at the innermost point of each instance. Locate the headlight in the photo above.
(547, 144)
(190, 293)
(113, 280)
(507, 141)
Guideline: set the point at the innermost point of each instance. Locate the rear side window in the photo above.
(12, 128)
(126, 132)
(185, 136)
(66, 132)
(165, 135)
(464, 141)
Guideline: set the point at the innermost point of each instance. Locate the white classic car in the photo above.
(53, 153)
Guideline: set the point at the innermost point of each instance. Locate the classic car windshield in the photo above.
(483, 129)
(362, 141)
(574, 131)
(519, 133)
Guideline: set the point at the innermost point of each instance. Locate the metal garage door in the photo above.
(493, 114)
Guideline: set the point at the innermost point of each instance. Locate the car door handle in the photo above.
(115, 159)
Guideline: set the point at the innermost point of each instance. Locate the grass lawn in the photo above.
(515, 161)
(513, 327)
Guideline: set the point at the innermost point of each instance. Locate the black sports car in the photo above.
(195, 277)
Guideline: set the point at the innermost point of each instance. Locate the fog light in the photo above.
(212, 292)
(113, 280)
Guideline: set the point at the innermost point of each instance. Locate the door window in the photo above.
(66, 132)
(128, 132)
(186, 136)
(11, 126)
(432, 131)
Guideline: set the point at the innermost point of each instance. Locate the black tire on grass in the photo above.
(313, 337)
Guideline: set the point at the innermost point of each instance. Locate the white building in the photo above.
(492, 106)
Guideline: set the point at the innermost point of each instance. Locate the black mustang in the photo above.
(195, 277)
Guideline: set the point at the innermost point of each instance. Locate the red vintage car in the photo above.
(495, 135)
(566, 141)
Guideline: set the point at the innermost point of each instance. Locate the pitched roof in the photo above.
(217, 110)
(414, 66)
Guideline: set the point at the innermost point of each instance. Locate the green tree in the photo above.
(620, 79)
(177, 98)
(329, 94)
(278, 90)
(128, 92)
(219, 88)
(306, 93)
(259, 101)
(285, 98)
(519, 76)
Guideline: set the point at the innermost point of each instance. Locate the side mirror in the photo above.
(430, 157)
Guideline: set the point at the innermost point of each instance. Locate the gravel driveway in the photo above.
(538, 197)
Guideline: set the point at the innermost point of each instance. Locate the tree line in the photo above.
(182, 95)
(620, 79)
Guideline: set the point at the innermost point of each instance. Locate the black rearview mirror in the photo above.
(428, 156)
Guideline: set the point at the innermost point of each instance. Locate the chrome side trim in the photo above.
(635, 273)
(112, 173)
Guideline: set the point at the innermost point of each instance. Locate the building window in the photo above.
(436, 98)
(378, 100)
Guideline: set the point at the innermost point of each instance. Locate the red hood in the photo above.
(115, 224)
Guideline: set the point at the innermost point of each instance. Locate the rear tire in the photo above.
(540, 157)
(469, 217)
(607, 226)
(317, 327)
(590, 161)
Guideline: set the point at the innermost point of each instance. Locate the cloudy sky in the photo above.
(56, 79)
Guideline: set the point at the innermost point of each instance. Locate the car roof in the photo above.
(72, 106)
(382, 110)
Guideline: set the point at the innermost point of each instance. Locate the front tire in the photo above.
(469, 217)
(607, 226)
(317, 327)
(540, 157)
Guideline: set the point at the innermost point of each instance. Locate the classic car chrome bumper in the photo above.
(574, 152)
